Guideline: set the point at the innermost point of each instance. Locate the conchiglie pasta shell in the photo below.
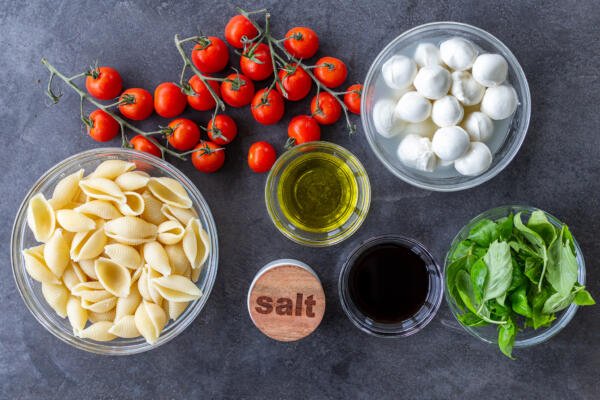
(56, 253)
(73, 275)
(88, 245)
(124, 255)
(101, 306)
(136, 275)
(99, 208)
(56, 296)
(152, 209)
(177, 259)
(40, 218)
(133, 180)
(114, 277)
(128, 305)
(97, 317)
(182, 215)
(134, 204)
(156, 257)
(36, 266)
(78, 315)
(174, 309)
(74, 221)
(66, 190)
(152, 291)
(176, 288)
(169, 191)
(102, 189)
(130, 230)
(150, 319)
(196, 243)
(110, 169)
(91, 291)
(142, 285)
(98, 331)
(170, 232)
(195, 274)
(125, 327)
(88, 266)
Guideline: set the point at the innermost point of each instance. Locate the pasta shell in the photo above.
(128, 305)
(40, 218)
(89, 268)
(98, 331)
(177, 259)
(56, 296)
(195, 274)
(156, 257)
(36, 266)
(88, 245)
(136, 275)
(196, 243)
(142, 284)
(99, 208)
(152, 291)
(152, 209)
(182, 215)
(101, 306)
(130, 230)
(169, 191)
(134, 204)
(114, 277)
(124, 255)
(107, 316)
(125, 327)
(174, 309)
(102, 189)
(176, 288)
(133, 180)
(110, 169)
(74, 221)
(73, 275)
(150, 319)
(170, 232)
(78, 315)
(66, 190)
(92, 291)
(56, 253)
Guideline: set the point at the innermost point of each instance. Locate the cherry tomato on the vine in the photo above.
(267, 106)
(140, 143)
(325, 109)
(210, 54)
(103, 83)
(238, 27)
(208, 157)
(301, 42)
(222, 129)
(304, 128)
(331, 71)
(104, 127)
(352, 98)
(237, 90)
(203, 99)
(255, 62)
(169, 101)
(136, 104)
(261, 157)
(183, 134)
(295, 81)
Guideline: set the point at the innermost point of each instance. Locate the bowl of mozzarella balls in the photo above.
(114, 251)
(446, 106)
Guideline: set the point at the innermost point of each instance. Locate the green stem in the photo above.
(272, 52)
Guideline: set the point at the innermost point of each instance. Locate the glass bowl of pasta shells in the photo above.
(114, 251)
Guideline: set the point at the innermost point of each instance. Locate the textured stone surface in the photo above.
(221, 354)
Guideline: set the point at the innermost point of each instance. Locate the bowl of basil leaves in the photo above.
(515, 276)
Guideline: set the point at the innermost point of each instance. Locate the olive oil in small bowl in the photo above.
(318, 194)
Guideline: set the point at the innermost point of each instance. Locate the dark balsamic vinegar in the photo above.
(388, 283)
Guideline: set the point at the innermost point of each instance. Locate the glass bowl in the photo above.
(527, 337)
(30, 289)
(310, 237)
(503, 151)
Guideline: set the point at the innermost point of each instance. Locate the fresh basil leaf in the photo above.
(562, 268)
(450, 275)
(523, 250)
(498, 311)
(499, 265)
(537, 299)
(519, 302)
(533, 269)
(465, 290)
(505, 227)
(470, 319)
(538, 222)
(584, 298)
(483, 233)
(557, 302)
(535, 240)
(462, 249)
(506, 337)
(478, 274)
(518, 278)
(568, 238)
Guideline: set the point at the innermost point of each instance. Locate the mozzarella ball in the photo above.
(479, 126)
(399, 72)
(458, 53)
(412, 107)
(475, 161)
(499, 102)
(449, 143)
(447, 111)
(384, 120)
(424, 128)
(466, 89)
(415, 152)
(432, 82)
(427, 55)
(490, 70)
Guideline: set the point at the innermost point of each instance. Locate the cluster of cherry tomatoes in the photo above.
(210, 55)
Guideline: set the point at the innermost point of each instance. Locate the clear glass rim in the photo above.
(565, 316)
(105, 348)
(525, 103)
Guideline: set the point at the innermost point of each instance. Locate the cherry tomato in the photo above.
(331, 71)
(304, 128)
(296, 82)
(237, 90)
(327, 111)
(261, 157)
(210, 54)
(238, 27)
(136, 104)
(104, 127)
(222, 129)
(352, 98)
(209, 157)
(202, 100)
(301, 42)
(140, 143)
(183, 134)
(103, 83)
(169, 101)
(255, 62)
(267, 106)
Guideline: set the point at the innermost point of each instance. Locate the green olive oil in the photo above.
(317, 192)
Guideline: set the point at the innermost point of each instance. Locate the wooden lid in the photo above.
(286, 301)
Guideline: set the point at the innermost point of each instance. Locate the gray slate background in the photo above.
(221, 355)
